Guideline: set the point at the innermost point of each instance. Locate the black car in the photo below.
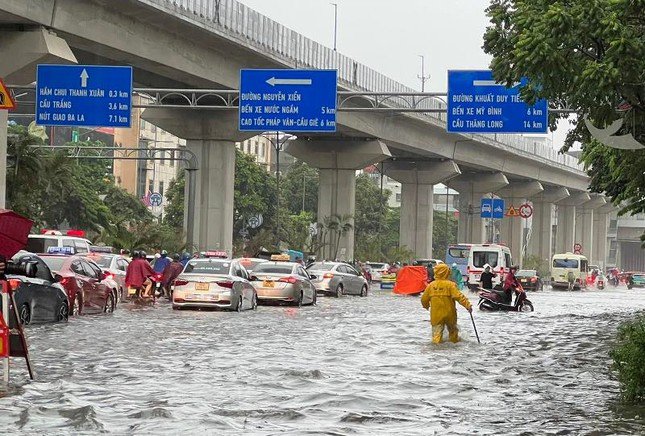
(530, 280)
(39, 299)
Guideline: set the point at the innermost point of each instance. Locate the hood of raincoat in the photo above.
(441, 272)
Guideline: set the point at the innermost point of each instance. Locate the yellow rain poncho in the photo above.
(440, 297)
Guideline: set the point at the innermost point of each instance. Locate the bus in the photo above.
(458, 253)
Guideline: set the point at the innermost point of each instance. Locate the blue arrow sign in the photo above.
(492, 208)
(477, 104)
(84, 95)
(288, 100)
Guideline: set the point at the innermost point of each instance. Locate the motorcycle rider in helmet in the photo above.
(510, 285)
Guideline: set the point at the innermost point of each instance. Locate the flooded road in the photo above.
(348, 366)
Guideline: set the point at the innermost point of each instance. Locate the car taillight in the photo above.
(179, 300)
(467, 270)
(14, 284)
(109, 275)
(181, 282)
(228, 285)
(291, 280)
(533, 280)
(65, 281)
(328, 276)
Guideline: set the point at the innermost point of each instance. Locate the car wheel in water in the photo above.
(254, 305)
(364, 291)
(77, 306)
(116, 299)
(238, 308)
(300, 299)
(25, 314)
(175, 307)
(109, 304)
(339, 291)
(63, 312)
(314, 301)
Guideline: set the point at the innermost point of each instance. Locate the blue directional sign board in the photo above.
(492, 208)
(84, 95)
(288, 100)
(477, 104)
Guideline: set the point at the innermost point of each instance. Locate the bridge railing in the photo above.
(254, 29)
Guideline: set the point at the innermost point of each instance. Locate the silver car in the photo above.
(336, 279)
(214, 283)
(249, 263)
(283, 282)
(115, 267)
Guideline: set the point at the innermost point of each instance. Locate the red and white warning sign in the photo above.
(526, 210)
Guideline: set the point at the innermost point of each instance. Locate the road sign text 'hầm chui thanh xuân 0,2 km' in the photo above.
(478, 104)
(288, 100)
(84, 95)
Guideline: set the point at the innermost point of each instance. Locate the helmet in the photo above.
(143, 254)
(454, 265)
(136, 254)
(164, 253)
(175, 257)
(514, 267)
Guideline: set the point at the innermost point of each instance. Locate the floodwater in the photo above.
(348, 366)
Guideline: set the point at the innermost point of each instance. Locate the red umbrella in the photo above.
(14, 230)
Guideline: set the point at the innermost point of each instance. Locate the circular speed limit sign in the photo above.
(526, 210)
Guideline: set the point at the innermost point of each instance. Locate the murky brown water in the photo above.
(348, 366)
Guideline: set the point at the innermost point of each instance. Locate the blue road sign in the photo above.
(288, 100)
(156, 199)
(492, 208)
(84, 95)
(477, 104)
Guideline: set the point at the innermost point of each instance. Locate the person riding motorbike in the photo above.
(171, 272)
(138, 274)
(486, 279)
(510, 285)
(161, 262)
(440, 296)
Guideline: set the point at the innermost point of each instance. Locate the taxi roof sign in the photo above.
(216, 253)
(280, 257)
(61, 250)
(6, 100)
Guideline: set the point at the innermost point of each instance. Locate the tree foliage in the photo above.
(588, 56)
(301, 180)
(175, 196)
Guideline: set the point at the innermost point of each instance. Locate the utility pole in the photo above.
(423, 76)
(335, 5)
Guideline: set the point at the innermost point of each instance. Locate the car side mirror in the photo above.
(253, 278)
(57, 278)
(312, 277)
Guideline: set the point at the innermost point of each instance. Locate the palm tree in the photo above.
(344, 226)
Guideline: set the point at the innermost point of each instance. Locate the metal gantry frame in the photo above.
(143, 154)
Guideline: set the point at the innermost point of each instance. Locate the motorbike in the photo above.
(491, 301)
(600, 283)
(157, 285)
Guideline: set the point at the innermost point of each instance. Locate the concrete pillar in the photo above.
(338, 159)
(584, 224)
(21, 52)
(541, 241)
(513, 228)
(471, 188)
(600, 230)
(417, 197)
(336, 197)
(212, 137)
(565, 235)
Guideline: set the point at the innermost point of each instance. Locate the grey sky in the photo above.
(390, 35)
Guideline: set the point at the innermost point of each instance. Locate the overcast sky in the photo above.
(390, 35)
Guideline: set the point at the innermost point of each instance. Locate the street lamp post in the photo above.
(335, 5)
(423, 76)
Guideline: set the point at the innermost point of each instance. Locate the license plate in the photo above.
(202, 286)
(268, 284)
(523, 280)
(202, 297)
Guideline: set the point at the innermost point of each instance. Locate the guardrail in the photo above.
(248, 26)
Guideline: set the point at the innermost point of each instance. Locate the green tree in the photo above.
(300, 181)
(439, 236)
(370, 216)
(175, 195)
(588, 56)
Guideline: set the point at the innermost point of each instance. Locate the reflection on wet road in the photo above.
(348, 366)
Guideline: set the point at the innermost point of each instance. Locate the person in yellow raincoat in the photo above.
(440, 297)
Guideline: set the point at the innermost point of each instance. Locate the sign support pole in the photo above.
(5, 317)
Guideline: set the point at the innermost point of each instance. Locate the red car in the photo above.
(83, 282)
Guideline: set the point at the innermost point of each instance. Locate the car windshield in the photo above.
(376, 265)
(458, 253)
(40, 245)
(319, 266)
(102, 261)
(207, 267)
(481, 258)
(272, 268)
(565, 263)
(54, 263)
(526, 273)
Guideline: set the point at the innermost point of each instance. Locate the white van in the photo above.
(562, 264)
(42, 243)
(497, 256)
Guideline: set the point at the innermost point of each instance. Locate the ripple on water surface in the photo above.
(347, 366)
